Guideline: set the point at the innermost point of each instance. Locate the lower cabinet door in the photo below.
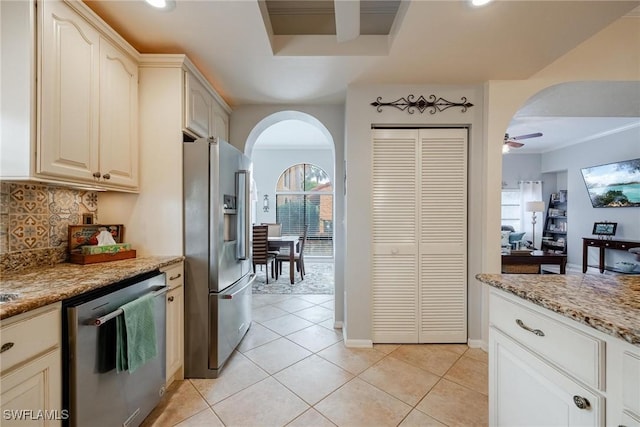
(525, 390)
(175, 332)
(31, 394)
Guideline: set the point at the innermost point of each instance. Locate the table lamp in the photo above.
(534, 206)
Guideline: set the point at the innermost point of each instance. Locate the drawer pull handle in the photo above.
(170, 298)
(6, 347)
(179, 275)
(581, 402)
(538, 332)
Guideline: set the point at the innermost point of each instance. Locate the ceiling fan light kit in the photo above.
(512, 142)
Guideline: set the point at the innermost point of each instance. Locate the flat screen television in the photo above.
(614, 185)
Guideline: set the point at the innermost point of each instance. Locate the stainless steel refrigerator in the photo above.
(218, 269)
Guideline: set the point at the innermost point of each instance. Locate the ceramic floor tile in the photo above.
(329, 324)
(313, 378)
(401, 380)
(238, 374)
(293, 304)
(256, 336)
(258, 300)
(287, 324)
(470, 373)
(315, 314)
(316, 299)
(433, 358)
(455, 405)
(206, 418)
(267, 403)
(361, 404)
(477, 354)
(385, 348)
(277, 355)
(354, 360)
(420, 419)
(181, 401)
(311, 418)
(315, 338)
(266, 313)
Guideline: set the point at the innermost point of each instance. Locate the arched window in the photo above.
(304, 196)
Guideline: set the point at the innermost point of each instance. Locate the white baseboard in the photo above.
(358, 343)
(337, 324)
(477, 344)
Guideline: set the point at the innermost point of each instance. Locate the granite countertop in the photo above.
(610, 304)
(42, 286)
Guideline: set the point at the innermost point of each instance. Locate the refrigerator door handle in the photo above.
(242, 195)
(249, 283)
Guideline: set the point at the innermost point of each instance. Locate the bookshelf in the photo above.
(554, 236)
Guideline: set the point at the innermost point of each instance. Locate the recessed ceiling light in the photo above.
(473, 2)
(162, 4)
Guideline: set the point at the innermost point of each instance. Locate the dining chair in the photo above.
(298, 257)
(261, 255)
(275, 229)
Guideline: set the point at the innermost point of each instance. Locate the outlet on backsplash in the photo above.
(34, 220)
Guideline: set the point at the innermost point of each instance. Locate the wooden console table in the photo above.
(534, 261)
(602, 244)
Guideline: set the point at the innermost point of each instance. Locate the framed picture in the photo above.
(604, 228)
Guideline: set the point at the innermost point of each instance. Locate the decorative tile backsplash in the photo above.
(34, 220)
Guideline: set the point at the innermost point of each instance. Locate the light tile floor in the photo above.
(293, 369)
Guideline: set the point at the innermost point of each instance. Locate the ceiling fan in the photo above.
(512, 142)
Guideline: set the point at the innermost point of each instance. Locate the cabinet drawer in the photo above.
(28, 337)
(175, 274)
(631, 382)
(555, 341)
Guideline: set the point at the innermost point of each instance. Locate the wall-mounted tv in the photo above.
(614, 185)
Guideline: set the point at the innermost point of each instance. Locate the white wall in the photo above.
(269, 164)
(245, 118)
(360, 115)
(581, 215)
(520, 167)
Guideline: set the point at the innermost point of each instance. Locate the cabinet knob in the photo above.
(6, 346)
(581, 402)
(106, 176)
(170, 298)
(97, 174)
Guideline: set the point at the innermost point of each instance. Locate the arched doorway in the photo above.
(278, 143)
(577, 132)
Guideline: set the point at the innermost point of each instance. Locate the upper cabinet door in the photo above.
(198, 104)
(220, 120)
(68, 109)
(118, 117)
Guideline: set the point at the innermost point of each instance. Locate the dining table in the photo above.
(291, 242)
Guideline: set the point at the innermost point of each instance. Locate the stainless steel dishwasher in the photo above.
(94, 392)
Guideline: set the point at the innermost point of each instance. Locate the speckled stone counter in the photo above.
(610, 304)
(38, 287)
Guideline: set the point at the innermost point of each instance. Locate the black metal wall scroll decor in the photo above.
(433, 104)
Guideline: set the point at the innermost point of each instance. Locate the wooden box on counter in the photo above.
(81, 235)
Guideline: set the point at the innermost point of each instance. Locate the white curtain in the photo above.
(531, 191)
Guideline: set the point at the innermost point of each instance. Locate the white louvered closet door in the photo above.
(419, 235)
(395, 245)
(443, 235)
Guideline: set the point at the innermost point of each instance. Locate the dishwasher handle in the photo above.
(101, 320)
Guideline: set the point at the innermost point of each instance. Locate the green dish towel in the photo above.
(136, 334)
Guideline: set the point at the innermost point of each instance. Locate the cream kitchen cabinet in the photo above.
(545, 369)
(30, 368)
(88, 104)
(175, 322)
(76, 121)
(204, 113)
